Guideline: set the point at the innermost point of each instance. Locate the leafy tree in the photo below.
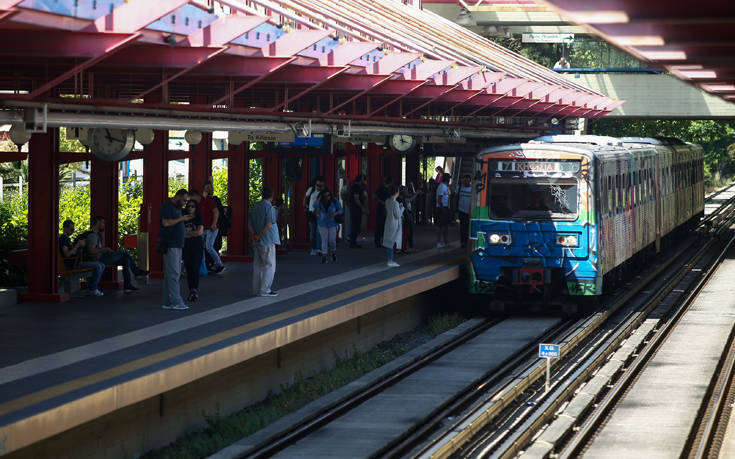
(716, 137)
(220, 184)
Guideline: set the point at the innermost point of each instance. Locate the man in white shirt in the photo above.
(442, 214)
(464, 196)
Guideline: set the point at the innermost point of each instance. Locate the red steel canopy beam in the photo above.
(498, 90)
(216, 34)
(449, 81)
(100, 55)
(224, 30)
(133, 15)
(340, 58)
(488, 78)
(269, 65)
(292, 43)
(346, 53)
(7, 4)
(386, 67)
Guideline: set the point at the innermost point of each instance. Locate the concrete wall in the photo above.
(655, 96)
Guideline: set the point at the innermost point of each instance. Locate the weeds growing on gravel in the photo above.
(222, 431)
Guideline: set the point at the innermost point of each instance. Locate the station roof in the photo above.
(357, 59)
(693, 40)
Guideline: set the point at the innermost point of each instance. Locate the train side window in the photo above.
(609, 195)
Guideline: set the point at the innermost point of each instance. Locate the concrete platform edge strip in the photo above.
(36, 427)
(67, 357)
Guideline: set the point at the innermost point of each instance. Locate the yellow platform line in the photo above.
(78, 383)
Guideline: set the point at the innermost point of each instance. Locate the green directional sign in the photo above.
(531, 37)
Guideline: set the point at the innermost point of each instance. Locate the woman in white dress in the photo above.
(393, 228)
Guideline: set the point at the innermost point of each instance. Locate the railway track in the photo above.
(562, 421)
(508, 412)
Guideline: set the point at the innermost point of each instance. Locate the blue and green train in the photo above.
(564, 215)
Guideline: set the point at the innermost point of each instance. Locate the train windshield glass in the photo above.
(533, 198)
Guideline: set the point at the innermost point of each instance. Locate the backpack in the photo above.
(223, 221)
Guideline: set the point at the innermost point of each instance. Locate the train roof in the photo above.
(590, 139)
(587, 145)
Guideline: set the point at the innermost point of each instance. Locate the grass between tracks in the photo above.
(222, 431)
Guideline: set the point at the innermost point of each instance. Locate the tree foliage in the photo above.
(716, 137)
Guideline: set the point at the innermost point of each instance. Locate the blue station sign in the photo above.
(548, 351)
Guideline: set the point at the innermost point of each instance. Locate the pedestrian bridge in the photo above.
(653, 95)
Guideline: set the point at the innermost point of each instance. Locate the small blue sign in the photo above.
(548, 351)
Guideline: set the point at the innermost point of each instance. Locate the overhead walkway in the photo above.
(651, 95)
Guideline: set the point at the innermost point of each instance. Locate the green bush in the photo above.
(13, 236)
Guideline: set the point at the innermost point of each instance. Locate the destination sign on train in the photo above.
(538, 166)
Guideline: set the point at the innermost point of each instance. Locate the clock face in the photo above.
(402, 142)
(111, 144)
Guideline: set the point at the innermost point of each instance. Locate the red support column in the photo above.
(104, 202)
(200, 162)
(43, 219)
(155, 190)
(300, 235)
(329, 167)
(374, 179)
(352, 161)
(238, 173)
(271, 171)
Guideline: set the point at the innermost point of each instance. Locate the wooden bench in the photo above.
(67, 275)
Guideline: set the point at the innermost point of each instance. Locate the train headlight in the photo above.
(567, 240)
(496, 238)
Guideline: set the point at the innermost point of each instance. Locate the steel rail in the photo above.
(455, 436)
(589, 362)
(401, 446)
(610, 400)
(272, 446)
(706, 438)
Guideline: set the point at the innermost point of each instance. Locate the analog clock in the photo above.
(402, 143)
(111, 144)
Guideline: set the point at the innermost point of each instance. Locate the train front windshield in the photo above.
(533, 198)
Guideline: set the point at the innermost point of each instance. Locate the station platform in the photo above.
(66, 364)
(658, 413)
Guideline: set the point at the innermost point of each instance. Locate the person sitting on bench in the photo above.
(98, 252)
(70, 250)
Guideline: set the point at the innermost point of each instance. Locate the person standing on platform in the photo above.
(344, 197)
(312, 193)
(172, 238)
(393, 230)
(263, 229)
(464, 196)
(381, 194)
(326, 210)
(210, 215)
(439, 174)
(358, 207)
(70, 251)
(442, 214)
(193, 248)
